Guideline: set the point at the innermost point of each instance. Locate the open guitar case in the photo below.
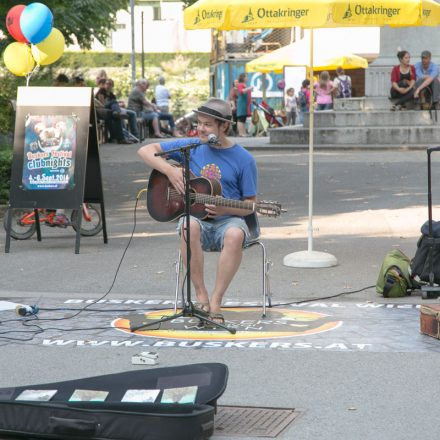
(113, 419)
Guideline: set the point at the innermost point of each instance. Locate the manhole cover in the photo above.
(248, 421)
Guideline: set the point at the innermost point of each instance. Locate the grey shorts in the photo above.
(213, 231)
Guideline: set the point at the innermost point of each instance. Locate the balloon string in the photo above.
(32, 73)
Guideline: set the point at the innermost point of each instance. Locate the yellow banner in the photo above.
(257, 14)
(206, 14)
(380, 13)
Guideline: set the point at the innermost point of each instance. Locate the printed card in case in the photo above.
(37, 395)
(88, 396)
(144, 396)
(179, 395)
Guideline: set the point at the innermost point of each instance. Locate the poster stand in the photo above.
(56, 162)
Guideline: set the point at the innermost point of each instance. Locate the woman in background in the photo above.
(403, 78)
(244, 99)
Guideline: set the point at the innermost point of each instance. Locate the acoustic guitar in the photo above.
(164, 203)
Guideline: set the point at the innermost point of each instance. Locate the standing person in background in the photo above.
(342, 84)
(303, 100)
(232, 99)
(244, 99)
(290, 106)
(324, 89)
(162, 96)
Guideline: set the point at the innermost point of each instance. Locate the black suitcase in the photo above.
(426, 262)
(113, 419)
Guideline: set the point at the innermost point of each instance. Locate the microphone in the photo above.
(213, 139)
(25, 310)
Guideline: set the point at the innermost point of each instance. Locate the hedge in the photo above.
(5, 174)
(82, 60)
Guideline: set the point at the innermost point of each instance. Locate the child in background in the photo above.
(290, 105)
(324, 89)
(303, 100)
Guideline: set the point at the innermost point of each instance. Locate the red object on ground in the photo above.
(269, 114)
(430, 320)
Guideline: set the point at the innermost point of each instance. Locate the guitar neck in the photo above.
(220, 201)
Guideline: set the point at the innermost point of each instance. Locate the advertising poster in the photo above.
(49, 152)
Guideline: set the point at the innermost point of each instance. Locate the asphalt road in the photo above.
(365, 203)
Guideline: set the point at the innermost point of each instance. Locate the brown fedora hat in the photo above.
(216, 108)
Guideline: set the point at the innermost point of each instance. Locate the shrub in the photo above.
(88, 60)
(5, 174)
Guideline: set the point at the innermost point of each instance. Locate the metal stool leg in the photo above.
(178, 270)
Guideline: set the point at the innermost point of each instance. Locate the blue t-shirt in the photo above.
(431, 71)
(234, 167)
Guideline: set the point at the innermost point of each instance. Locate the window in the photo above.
(157, 13)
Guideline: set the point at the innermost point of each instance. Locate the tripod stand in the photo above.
(188, 309)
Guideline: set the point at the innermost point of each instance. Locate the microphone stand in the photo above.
(188, 309)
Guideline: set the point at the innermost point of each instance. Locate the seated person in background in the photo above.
(342, 84)
(102, 74)
(109, 112)
(147, 110)
(143, 107)
(403, 78)
(78, 81)
(162, 96)
(61, 80)
(427, 76)
(118, 106)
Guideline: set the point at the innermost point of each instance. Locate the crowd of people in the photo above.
(325, 92)
(295, 105)
(122, 119)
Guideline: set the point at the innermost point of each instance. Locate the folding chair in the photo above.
(254, 234)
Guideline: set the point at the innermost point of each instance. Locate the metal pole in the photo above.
(311, 124)
(133, 50)
(142, 53)
(264, 85)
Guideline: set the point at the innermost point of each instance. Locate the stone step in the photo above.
(405, 118)
(386, 135)
(349, 104)
(364, 103)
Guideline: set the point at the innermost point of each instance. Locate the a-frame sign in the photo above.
(56, 161)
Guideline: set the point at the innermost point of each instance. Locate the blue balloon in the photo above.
(36, 22)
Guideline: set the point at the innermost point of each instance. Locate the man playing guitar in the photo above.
(224, 228)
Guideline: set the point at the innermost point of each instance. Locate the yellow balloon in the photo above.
(18, 59)
(50, 49)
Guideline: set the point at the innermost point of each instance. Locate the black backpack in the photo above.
(420, 264)
(344, 88)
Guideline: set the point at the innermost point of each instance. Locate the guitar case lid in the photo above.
(113, 419)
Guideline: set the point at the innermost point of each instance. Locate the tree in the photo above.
(188, 2)
(83, 19)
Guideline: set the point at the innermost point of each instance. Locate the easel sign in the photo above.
(56, 158)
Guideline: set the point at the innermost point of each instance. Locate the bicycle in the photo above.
(23, 223)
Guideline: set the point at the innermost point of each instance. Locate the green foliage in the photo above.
(188, 2)
(8, 91)
(5, 174)
(89, 60)
(83, 19)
